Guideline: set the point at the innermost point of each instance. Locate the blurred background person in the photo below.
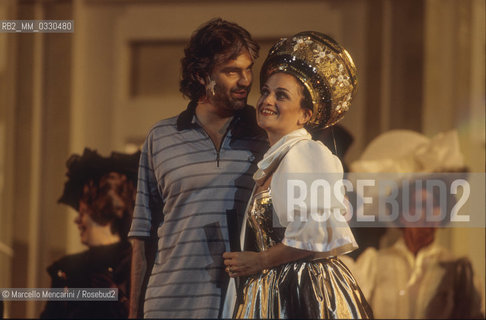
(102, 191)
(411, 276)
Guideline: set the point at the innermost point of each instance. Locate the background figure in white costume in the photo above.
(414, 277)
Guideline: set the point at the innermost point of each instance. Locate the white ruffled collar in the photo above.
(272, 157)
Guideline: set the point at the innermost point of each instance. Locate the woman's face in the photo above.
(91, 233)
(279, 110)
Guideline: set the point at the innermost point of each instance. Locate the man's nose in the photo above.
(245, 79)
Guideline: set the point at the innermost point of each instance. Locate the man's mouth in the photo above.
(240, 94)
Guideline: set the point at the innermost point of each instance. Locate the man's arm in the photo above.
(139, 268)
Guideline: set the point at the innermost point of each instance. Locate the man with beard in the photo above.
(195, 177)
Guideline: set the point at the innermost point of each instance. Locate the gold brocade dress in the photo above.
(316, 288)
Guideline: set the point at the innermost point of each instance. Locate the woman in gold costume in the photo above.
(308, 81)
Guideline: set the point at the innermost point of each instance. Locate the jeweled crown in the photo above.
(323, 66)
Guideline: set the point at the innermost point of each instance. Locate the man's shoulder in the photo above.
(164, 125)
(162, 128)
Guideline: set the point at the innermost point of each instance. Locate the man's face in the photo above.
(421, 201)
(421, 232)
(232, 82)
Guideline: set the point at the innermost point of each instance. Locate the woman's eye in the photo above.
(281, 96)
(264, 92)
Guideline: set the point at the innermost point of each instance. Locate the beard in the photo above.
(224, 99)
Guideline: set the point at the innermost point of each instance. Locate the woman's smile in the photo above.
(280, 108)
(266, 111)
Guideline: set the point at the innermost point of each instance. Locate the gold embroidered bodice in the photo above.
(263, 221)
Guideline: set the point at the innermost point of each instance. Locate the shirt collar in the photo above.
(186, 119)
(243, 123)
(431, 250)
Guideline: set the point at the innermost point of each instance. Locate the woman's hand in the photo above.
(248, 262)
(242, 263)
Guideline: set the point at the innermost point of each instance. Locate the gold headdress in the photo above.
(325, 69)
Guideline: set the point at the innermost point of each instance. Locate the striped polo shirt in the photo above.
(197, 197)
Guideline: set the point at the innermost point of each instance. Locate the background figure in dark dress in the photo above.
(102, 190)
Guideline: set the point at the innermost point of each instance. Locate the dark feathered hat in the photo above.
(91, 166)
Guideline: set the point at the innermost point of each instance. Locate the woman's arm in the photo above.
(249, 262)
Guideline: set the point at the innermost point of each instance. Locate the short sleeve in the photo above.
(148, 198)
(308, 199)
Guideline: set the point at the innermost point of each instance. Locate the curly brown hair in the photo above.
(215, 42)
(111, 201)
